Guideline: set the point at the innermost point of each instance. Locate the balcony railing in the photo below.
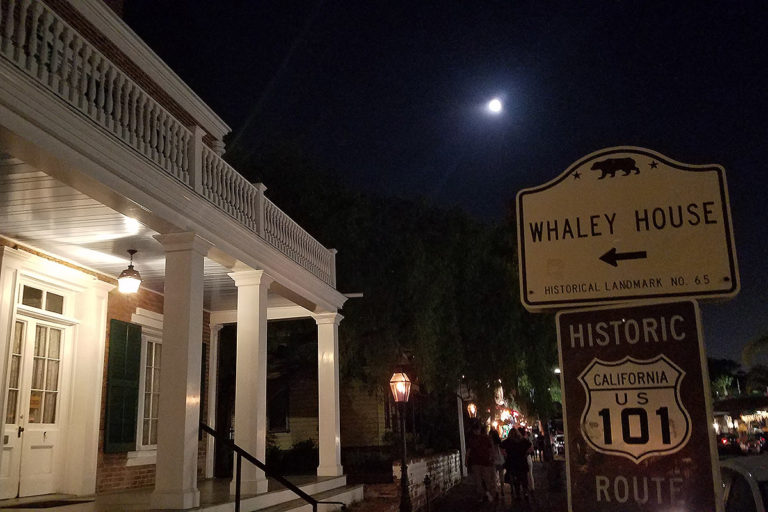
(51, 52)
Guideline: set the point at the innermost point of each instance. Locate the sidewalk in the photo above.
(462, 497)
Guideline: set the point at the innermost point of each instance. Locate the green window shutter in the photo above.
(123, 370)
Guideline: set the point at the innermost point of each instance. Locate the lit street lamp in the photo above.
(472, 410)
(401, 389)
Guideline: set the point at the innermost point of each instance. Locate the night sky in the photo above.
(392, 94)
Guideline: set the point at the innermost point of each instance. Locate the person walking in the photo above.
(518, 450)
(539, 446)
(480, 462)
(529, 460)
(498, 460)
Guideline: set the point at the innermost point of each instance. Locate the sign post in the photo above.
(637, 409)
(629, 226)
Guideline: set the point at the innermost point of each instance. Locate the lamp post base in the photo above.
(405, 494)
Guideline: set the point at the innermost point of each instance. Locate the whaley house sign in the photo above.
(628, 225)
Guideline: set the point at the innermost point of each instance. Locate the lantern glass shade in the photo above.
(472, 410)
(129, 279)
(401, 387)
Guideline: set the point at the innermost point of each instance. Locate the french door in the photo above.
(34, 407)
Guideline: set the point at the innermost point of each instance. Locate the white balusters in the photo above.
(6, 45)
(53, 53)
(293, 241)
(57, 51)
(32, 43)
(46, 50)
(120, 110)
(21, 36)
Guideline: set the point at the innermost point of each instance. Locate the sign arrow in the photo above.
(612, 257)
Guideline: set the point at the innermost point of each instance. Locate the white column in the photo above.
(82, 433)
(176, 470)
(213, 369)
(329, 437)
(251, 374)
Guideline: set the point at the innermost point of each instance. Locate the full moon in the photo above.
(495, 105)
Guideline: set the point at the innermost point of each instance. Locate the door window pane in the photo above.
(18, 337)
(15, 373)
(35, 406)
(49, 411)
(32, 297)
(40, 335)
(54, 344)
(14, 377)
(52, 376)
(45, 375)
(10, 415)
(38, 376)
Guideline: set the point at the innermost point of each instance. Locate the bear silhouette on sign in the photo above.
(609, 166)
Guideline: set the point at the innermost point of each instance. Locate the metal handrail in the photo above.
(256, 462)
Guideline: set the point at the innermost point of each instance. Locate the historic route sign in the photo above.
(637, 410)
(626, 224)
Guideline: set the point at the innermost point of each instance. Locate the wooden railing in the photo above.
(242, 454)
(287, 236)
(52, 53)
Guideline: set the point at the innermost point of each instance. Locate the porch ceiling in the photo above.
(47, 214)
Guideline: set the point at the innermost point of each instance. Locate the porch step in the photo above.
(279, 497)
(348, 494)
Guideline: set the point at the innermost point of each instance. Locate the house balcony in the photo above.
(91, 96)
(104, 149)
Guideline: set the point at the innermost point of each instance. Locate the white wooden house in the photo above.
(104, 149)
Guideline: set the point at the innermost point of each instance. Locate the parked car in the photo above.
(728, 444)
(751, 444)
(559, 444)
(745, 484)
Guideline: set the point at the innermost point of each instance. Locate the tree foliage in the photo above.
(439, 286)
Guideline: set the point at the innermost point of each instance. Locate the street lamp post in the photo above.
(401, 389)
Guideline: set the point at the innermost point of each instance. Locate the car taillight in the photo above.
(724, 441)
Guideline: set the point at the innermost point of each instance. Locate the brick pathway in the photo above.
(462, 498)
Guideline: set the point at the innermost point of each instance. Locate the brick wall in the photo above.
(362, 416)
(361, 412)
(444, 471)
(112, 472)
(302, 415)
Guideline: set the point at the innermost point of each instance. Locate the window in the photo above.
(150, 393)
(41, 299)
(133, 387)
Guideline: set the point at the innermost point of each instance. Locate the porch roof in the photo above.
(92, 165)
